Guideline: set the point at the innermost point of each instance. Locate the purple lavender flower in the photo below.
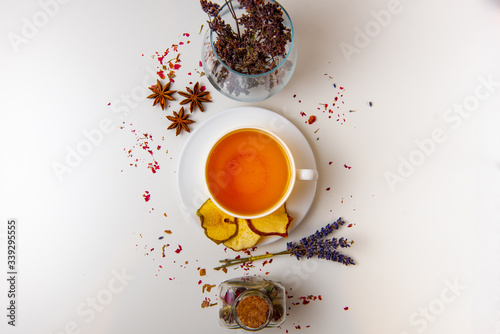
(314, 245)
(295, 249)
(337, 257)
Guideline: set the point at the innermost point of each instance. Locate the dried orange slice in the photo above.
(246, 238)
(218, 225)
(275, 223)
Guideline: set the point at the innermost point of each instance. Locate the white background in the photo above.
(427, 247)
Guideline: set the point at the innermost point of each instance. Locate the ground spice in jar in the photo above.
(251, 303)
(253, 311)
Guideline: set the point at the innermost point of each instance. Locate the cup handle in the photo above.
(307, 174)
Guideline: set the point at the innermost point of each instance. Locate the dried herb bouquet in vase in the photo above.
(248, 53)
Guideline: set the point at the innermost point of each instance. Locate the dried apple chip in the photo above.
(246, 238)
(275, 223)
(218, 225)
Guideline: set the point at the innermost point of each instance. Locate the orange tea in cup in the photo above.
(249, 172)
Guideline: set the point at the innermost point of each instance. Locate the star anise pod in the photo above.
(161, 93)
(179, 122)
(195, 97)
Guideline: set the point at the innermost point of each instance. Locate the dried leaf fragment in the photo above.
(207, 287)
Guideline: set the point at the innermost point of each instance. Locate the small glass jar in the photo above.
(251, 303)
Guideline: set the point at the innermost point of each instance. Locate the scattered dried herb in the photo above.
(207, 287)
(179, 122)
(161, 93)
(304, 300)
(206, 303)
(163, 250)
(178, 250)
(143, 141)
(195, 97)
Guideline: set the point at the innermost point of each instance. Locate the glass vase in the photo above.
(247, 87)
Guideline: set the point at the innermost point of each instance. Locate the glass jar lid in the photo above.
(253, 310)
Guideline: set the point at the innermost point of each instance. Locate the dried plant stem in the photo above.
(232, 262)
(229, 4)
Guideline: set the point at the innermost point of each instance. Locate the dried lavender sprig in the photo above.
(308, 247)
(337, 257)
(319, 248)
(311, 243)
(328, 229)
(315, 247)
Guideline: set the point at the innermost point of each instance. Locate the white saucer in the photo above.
(191, 167)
